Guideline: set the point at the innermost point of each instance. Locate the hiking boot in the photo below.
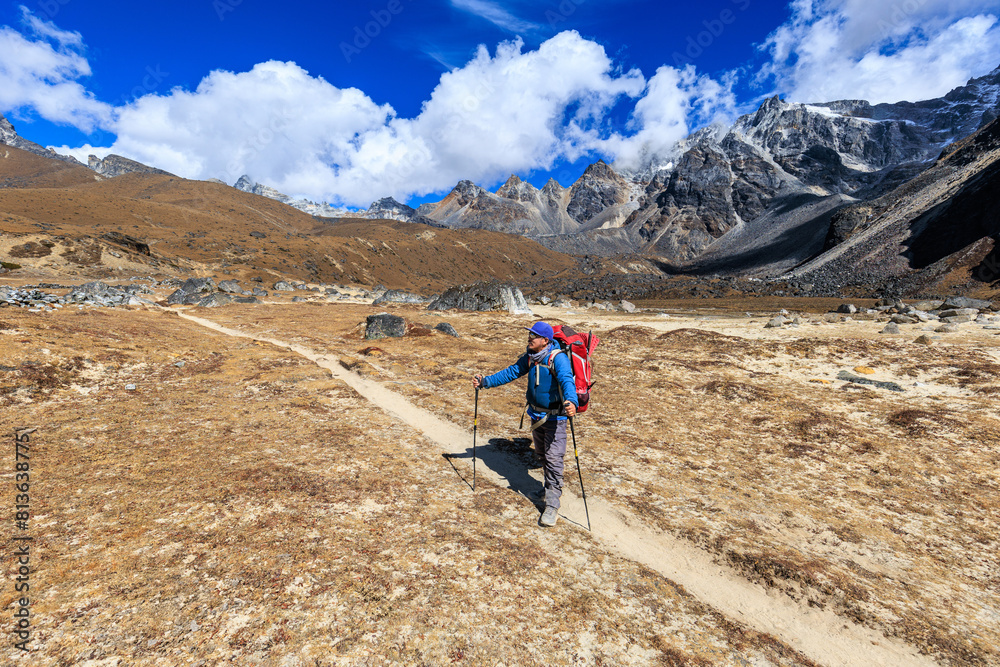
(549, 517)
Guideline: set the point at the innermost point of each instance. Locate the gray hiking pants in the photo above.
(550, 443)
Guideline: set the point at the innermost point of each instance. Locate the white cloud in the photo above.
(512, 111)
(674, 101)
(40, 72)
(908, 50)
(495, 14)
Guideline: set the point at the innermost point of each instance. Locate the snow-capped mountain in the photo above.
(761, 191)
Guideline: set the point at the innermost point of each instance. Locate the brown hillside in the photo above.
(212, 229)
(21, 169)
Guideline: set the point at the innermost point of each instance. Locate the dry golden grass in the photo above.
(246, 508)
(878, 505)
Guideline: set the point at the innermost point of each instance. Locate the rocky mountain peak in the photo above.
(7, 132)
(552, 187)
(465, 191)
(116, 165)
(10, 137)
(518, 190)
(387, 208)
(601, 170)
(245, 183)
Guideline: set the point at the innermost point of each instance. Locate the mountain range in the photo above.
(804, 191)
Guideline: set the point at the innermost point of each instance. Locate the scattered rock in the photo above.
(931, 304)
(282, 286)
(959, 312)
(384, 325)
(966, 302)
(198, 285)
(924, 340)
(398, 296)
(483, 296)
(777, 322)
(215, 300)
(231, 286)
(864, 370)
(891, 328)
(444, 327)
(899, 318)
(947, 328)
(847, 308)
(891, 386)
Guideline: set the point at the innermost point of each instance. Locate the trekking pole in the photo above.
(577, 455)
(475, 426)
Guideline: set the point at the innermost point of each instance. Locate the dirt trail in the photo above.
(822, 636)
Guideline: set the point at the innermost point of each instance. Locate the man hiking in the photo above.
(551, 400)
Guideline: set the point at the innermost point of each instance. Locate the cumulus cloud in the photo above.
(674, 102)
(512, 111)
(882, 52)
(40, 71)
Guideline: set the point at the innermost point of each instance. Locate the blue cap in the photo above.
(541, 329)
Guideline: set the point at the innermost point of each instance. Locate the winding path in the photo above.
(822, 636)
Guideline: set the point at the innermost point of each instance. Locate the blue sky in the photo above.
(348, 102)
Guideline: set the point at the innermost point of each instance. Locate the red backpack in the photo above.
(579, 347)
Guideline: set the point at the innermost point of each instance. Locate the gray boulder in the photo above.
(256, 291)
(777, 322)
(215, 300)
(891, 328)
(198, 285)
(231, 286)
(398, 296)
(182, 298)
(847, 308)
(483, 296)
(628, 307)
(966, 302)
(282, 286)
(959, 312)
(930, 304)
(446, 328)
(384, 325)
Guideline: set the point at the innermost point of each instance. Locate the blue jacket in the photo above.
(542, 391)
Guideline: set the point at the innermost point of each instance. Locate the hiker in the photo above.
(551, 401)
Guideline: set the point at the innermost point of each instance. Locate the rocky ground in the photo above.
(200, 498)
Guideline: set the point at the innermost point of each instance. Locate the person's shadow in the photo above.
(510, 459)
